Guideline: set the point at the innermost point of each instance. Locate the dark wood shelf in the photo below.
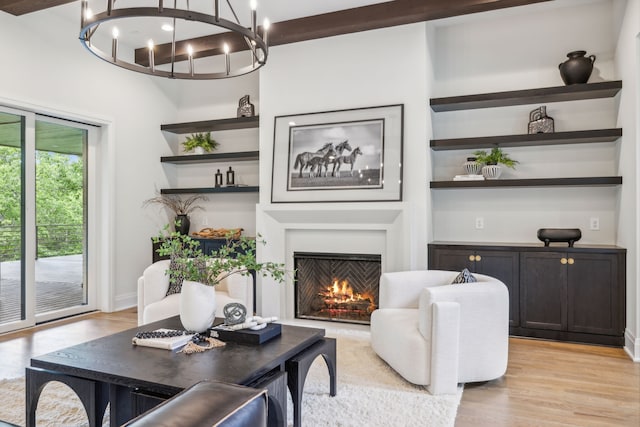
(527, 96)
(210, 190)
(557, 138)
(535, 182)
(213, 125)
(211, 158)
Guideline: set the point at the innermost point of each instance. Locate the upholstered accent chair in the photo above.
(154, 303)
(438, 334)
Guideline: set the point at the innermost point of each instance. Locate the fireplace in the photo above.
(336, 287)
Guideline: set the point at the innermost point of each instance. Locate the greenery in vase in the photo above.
(495, 156)
(200, 140)
(177, 204)
(237, 256)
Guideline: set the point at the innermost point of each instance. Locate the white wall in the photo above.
(373, 68)
(628, 69)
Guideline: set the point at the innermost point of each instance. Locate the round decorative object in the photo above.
(471, 166)
(577, 69)
(182, 224)
(568, 235)
(491, 171)
(197, 306)
(234, 313)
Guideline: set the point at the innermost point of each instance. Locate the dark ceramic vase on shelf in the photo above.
(577, 69)
(182, 224)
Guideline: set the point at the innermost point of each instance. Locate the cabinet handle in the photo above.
(563, 261)
(478, 258)
(571, 261)
(472, 258)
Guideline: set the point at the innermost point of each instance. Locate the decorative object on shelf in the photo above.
(219, 233)
(539, 122)
(180, 207)
(234, 313)
(169, 39)
(246, 108)
(554, 235)
(311, 150)
(231, 177)
(468, 178)
(577, 69)
(492, 161)
(218, 178)
(200, 143)
(193, 265)
(471, 166)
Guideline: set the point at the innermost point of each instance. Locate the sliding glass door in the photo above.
(43, 219)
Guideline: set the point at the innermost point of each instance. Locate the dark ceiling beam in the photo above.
(21, 7)
(380, 15)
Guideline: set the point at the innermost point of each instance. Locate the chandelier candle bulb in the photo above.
(254, 5)
(265, 31)
(190, 53)
(227, 60)
(114, 43)
(151, 57)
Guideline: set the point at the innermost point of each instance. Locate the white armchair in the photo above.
(154, 304)
(437, 334)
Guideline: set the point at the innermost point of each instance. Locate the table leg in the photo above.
(298, 367)
(276, 384)
(121, 409)
(92, 394)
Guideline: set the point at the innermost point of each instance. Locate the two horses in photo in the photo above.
(325, 156)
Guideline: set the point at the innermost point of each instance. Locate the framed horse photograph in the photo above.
(350, 155)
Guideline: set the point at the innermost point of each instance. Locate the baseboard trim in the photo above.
(124, 301)
(632, 345)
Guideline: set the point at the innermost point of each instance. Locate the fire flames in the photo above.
(341, 297)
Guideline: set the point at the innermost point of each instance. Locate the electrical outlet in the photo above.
(594, 223)
(479, 223)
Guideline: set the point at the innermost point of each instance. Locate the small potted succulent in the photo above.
(492, 160)
(200, 143)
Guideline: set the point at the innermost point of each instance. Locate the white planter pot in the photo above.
(198, 150)
(491, 171)
(197, 306)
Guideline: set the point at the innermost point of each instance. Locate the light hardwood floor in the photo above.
(547, 383)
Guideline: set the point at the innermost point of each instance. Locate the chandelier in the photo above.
(161, 53)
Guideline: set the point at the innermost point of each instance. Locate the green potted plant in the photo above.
(181, 207)
(200, 143)
(199, 272)
(492, 160)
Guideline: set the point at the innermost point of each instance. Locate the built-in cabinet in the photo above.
(227, 157)
(569, 294)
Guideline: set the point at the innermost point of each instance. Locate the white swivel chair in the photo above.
(437, 334)
(154, 303)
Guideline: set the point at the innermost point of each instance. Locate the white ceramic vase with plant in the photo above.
(492, 161)
(200, 143)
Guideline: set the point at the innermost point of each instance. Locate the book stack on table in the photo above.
(246, 336)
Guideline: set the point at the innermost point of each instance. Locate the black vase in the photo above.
(182, 224)
(577, 69)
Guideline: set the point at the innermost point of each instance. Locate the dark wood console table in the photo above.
(568, 294)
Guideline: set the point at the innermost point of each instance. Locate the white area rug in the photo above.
(369, 394)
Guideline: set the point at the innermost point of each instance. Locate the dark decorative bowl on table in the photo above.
(555, 235)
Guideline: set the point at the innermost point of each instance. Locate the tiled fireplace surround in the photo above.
(344, 229)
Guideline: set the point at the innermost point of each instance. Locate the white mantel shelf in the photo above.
(353, 214)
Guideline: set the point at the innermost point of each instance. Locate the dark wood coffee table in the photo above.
(133, 379)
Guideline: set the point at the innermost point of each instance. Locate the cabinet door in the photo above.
(543, 290)
(452, 259)
(503, 266)
(593, 294)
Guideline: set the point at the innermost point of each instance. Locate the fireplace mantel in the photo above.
(333, 213)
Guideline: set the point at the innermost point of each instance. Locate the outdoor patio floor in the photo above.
(58, 285)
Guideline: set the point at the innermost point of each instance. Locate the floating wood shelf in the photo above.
(528, 96)
(211, 158)
(557, 138)
(535, 182)
(210, 190)
(213, 125)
